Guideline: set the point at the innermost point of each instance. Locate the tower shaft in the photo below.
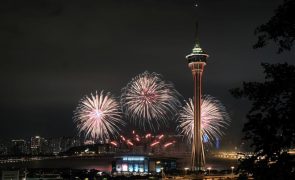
(197, 146)
(196, 62)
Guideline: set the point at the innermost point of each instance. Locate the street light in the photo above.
(185, 170)
(209, 168)
(232, 169)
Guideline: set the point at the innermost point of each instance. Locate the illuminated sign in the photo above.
(136, 167)
(118, 167)
(125, 167)
(130, 167)
(140, 168)
(133, 158)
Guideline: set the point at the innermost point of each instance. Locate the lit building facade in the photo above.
(131, 164)
(39, 145)
(35, 145)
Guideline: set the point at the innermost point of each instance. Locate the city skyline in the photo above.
(136, 143)
(51, 58)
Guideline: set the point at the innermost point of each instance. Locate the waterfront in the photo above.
(101, 167)
(104, 163)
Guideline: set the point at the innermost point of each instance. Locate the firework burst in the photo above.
(98, 116)
(214, 118)
(148, 100)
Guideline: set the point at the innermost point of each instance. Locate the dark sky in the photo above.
(53, 52)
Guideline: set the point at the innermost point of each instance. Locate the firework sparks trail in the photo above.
(214, 118)
(148, 100)
(130, 143)
(133, 139)
(137, 138)
(155, 143)
(98, 116)
(148, 135)
(123, 138)
(114, 143)
(169, 144)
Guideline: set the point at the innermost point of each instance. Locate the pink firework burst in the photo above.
(148, 100)
(214, 118)
(98, 116)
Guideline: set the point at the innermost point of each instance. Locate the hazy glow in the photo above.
(213, 116)
(148, 100)
(98, 116)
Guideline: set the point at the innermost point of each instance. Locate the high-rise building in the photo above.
(76, 141)
(66, 143)
(54, 145)
(3, 149)
(39, 145)
(18, 147)
(35, 145)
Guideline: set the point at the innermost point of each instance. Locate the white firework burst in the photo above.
(148, 100)
(214, 118)
(98, 116)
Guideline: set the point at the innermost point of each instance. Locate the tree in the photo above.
(271, 119)
(280, 28)
(271, 125)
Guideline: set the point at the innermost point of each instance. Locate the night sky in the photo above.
(54, 52)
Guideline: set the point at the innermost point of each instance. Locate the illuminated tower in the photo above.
(196, 62)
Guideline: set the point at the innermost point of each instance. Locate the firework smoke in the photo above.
(214, 118)
(98, 116)
(148, 100)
